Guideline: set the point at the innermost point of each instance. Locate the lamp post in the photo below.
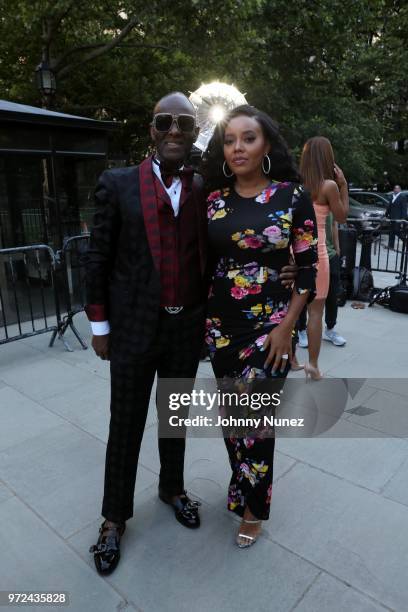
(46, 83)
(47, 86)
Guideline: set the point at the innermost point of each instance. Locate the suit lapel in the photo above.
(186, 185)
(148, 199)
(193, 191)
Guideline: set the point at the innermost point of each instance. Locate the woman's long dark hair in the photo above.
(282, 165)
(317, 163)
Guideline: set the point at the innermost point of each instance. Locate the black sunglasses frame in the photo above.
(174, 118)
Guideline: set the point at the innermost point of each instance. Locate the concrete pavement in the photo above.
(337, 539)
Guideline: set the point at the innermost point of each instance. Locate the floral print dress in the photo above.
(249, 242)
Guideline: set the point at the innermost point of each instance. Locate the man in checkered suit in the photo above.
(146, 304)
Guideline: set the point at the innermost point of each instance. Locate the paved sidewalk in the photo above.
(338, 535)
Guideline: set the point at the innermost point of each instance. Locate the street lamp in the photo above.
(45, 80)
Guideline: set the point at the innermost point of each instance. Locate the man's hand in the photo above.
(100, 345)
(288, 274)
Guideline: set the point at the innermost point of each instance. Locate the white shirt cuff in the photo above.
(100, 328)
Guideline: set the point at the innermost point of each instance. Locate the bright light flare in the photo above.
(212, 102)
(217, 113)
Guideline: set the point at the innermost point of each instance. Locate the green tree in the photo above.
(332, 67)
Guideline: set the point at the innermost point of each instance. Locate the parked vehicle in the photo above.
(369, 198)
(359, 213)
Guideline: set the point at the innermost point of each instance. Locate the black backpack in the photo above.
(399, 298)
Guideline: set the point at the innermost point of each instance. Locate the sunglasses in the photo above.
(162, 122)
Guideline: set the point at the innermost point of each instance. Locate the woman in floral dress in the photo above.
(257, 213)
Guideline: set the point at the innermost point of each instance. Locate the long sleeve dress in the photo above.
(249, 242)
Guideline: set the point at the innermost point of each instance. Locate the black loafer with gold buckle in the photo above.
(107, 549)
(185, 509)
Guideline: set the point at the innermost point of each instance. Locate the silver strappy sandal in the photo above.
(245, 541)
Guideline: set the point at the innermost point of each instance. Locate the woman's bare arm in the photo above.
(336, 195)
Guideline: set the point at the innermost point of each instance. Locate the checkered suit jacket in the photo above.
(123, 258)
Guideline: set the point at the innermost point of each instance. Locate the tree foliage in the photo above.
(332, 67)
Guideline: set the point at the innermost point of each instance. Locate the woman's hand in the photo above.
(279, 341)
(339, 176)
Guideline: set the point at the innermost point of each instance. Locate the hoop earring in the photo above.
(269, 165)
(224, 165)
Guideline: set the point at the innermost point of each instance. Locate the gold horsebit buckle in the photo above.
(173, 309)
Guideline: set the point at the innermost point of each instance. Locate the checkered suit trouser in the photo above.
(174, 353)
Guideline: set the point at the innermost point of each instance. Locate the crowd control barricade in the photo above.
(71, 285)
(29, 302)
(375, 233)
(399, 266)
(378, 251)
(384, 259)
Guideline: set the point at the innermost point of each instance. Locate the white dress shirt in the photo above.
(174, 191)
(101, 328)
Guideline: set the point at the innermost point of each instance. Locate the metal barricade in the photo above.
(71, 274)
(28, 295)
(382, 257)
(383, 248)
